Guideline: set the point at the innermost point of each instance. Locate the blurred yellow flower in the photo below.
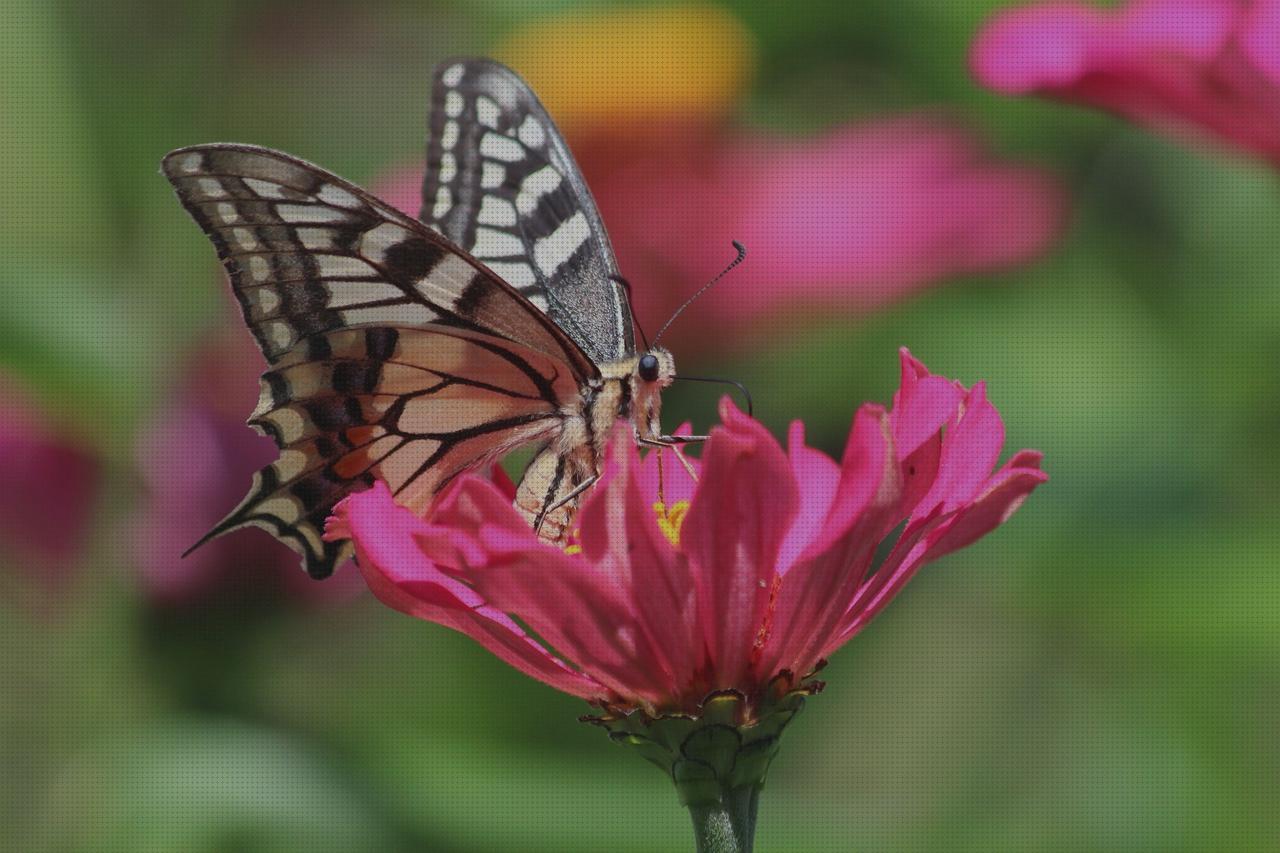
(623, 67)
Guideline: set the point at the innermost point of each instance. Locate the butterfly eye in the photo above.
(649, 367)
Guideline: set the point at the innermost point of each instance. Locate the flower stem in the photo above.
(728, 826)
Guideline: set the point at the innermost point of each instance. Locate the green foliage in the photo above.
(1100, 675)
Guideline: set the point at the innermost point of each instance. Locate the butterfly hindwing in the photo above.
(365, 406)
(502, 184)
(393, 354)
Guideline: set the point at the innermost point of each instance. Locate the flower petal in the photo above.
(880, 588)
(817, 477)
(742, 509)
(392, 551)
(969, 452)
(663, 478)
(939, 533)
(922, 405)
(1026, 49)
(620, 535)
(932, 204)
(1261, 39)
(869, 476)
(1001, 497)
(49, 486)
(818, 588)
(1167, 64)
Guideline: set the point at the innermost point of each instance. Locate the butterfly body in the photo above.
(410, 351)
(568, 466)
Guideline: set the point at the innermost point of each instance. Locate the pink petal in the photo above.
(49, 486)
(907, 556)
(931, 203)
(1195, 28)
(920, 412)
(1169, 64)
(503, 482)
(402, 189)
(1001, 497)
(1026, 49)
(620, 535)
(742, 509)
(969, 452)
(661, 476)
(389, 545)
(869, 476)
(1261, 39)
(583, 610)
(819, 586)
(664, 599)
(817, 477)
(938, 533)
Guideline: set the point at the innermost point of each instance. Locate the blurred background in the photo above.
(1100, 674)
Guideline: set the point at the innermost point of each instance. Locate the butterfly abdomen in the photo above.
(557, 479)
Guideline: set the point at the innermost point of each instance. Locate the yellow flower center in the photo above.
(671, 519)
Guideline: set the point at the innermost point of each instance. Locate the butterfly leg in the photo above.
(674, 442)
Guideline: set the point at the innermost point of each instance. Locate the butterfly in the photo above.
(411, 351)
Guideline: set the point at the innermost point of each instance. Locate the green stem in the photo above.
(728, 826)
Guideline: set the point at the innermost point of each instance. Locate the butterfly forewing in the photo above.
(502, 184)
(393, 354)
(308, 252)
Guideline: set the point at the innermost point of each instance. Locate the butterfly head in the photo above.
(650, 373)
(656, 368)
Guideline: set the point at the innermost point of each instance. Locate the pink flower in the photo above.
(763, 567)
(197, 458)
(853, 219)
(1207, 64)
(49, 485)
(402, 189)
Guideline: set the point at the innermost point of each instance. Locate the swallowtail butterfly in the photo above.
(410, 351)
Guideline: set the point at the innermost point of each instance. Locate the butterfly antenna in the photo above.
(742, 253)
(626, 285)
(746, 395)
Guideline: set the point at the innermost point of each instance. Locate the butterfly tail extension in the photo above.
(305, 537)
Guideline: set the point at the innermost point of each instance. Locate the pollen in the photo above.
(671, 518)
(574, 542)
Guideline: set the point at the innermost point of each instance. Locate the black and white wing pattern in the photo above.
(393, 354)
(502, 184)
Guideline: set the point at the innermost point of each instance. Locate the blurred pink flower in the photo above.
(48, 487)
(402, 189)
(764, 566)
(1212, 65)
(852, 219)
(197, 458)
